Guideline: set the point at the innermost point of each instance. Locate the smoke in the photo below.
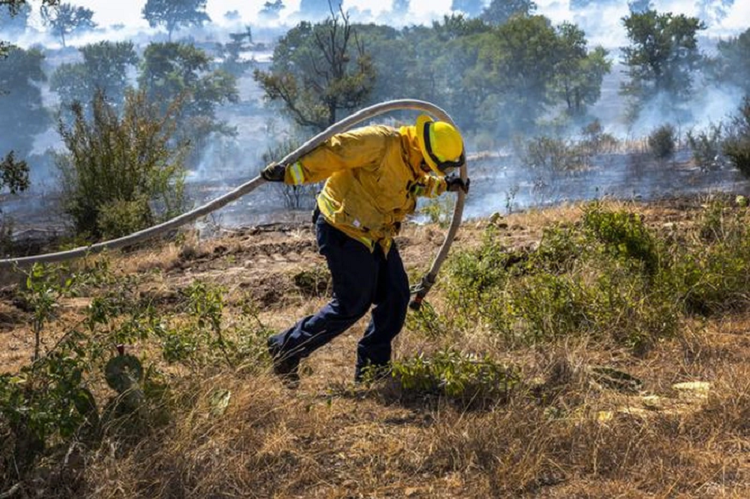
(499, 184)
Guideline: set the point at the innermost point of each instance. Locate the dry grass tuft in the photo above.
(563, 431)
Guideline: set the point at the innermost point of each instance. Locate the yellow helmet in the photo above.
(441, 144)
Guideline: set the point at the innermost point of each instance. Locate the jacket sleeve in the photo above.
(361, 148)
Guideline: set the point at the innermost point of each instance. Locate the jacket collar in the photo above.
(412, 152)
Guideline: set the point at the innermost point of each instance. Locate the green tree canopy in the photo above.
(519, 60)
(104, 69)
(640, 6)
(14, 174)
(579, 73)
(662, 58)
(501, 11)
(14, 8)
(14, 19)
(65, 19)
(318, 71)
(271, 10)
(22, 114)
(733, 62)
(713, 11)
(173, 14)
(180, 72)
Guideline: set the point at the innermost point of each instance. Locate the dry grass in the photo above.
(561, 433)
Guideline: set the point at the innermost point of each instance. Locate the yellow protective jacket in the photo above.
(373, 179)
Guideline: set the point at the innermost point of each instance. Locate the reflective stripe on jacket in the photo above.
(373, 180)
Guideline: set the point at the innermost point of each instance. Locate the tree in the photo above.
(501, 11)
(14, 174)
(179, 72)
(713, 11)
(471, 8)
(104, 69)
(121, 174)
(22, 113)
(271, 10)
(173, 14)
(231, 52)
(578, 73)
(662, 58)
(319, 70)
(640, 6)
(14, 19)
(14, 8)
(737, 144)
(733, 62)
(516, 63)
(66, 19)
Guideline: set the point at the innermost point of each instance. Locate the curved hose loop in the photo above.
(345, 124)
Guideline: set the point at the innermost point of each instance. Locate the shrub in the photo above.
(467, 378)
(551, 154)
(623, 236)
(595, 140)
(14, 174)
(661, 142)
(439, 210)
(737, 143)
(706, 147)
(121, 173)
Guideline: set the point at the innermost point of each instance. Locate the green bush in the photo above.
(622, 235)
(737, 143)
(121, 173)
(707, 148)
(595, 140)
(601, 277)
(552, 154)
(661, 142)
(467, 378)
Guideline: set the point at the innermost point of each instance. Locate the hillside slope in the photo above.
(585, 415)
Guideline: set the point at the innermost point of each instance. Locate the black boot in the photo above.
(285, 364)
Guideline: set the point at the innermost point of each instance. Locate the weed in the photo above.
(439, 210)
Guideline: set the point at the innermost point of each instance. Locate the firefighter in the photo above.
(373, 176)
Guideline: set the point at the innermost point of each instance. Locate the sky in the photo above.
(602, 24)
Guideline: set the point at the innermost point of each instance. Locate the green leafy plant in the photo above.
(707, 148)
(121, 173)
(467, 378)
(737, 142)
(623, 235)
(661, 142)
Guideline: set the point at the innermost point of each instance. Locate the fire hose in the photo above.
(419, 291)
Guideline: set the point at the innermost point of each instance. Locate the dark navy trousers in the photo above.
(361, 280)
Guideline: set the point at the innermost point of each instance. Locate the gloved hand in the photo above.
(455, 183)
(274, 172)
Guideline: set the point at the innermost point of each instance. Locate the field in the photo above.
(503, 402)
